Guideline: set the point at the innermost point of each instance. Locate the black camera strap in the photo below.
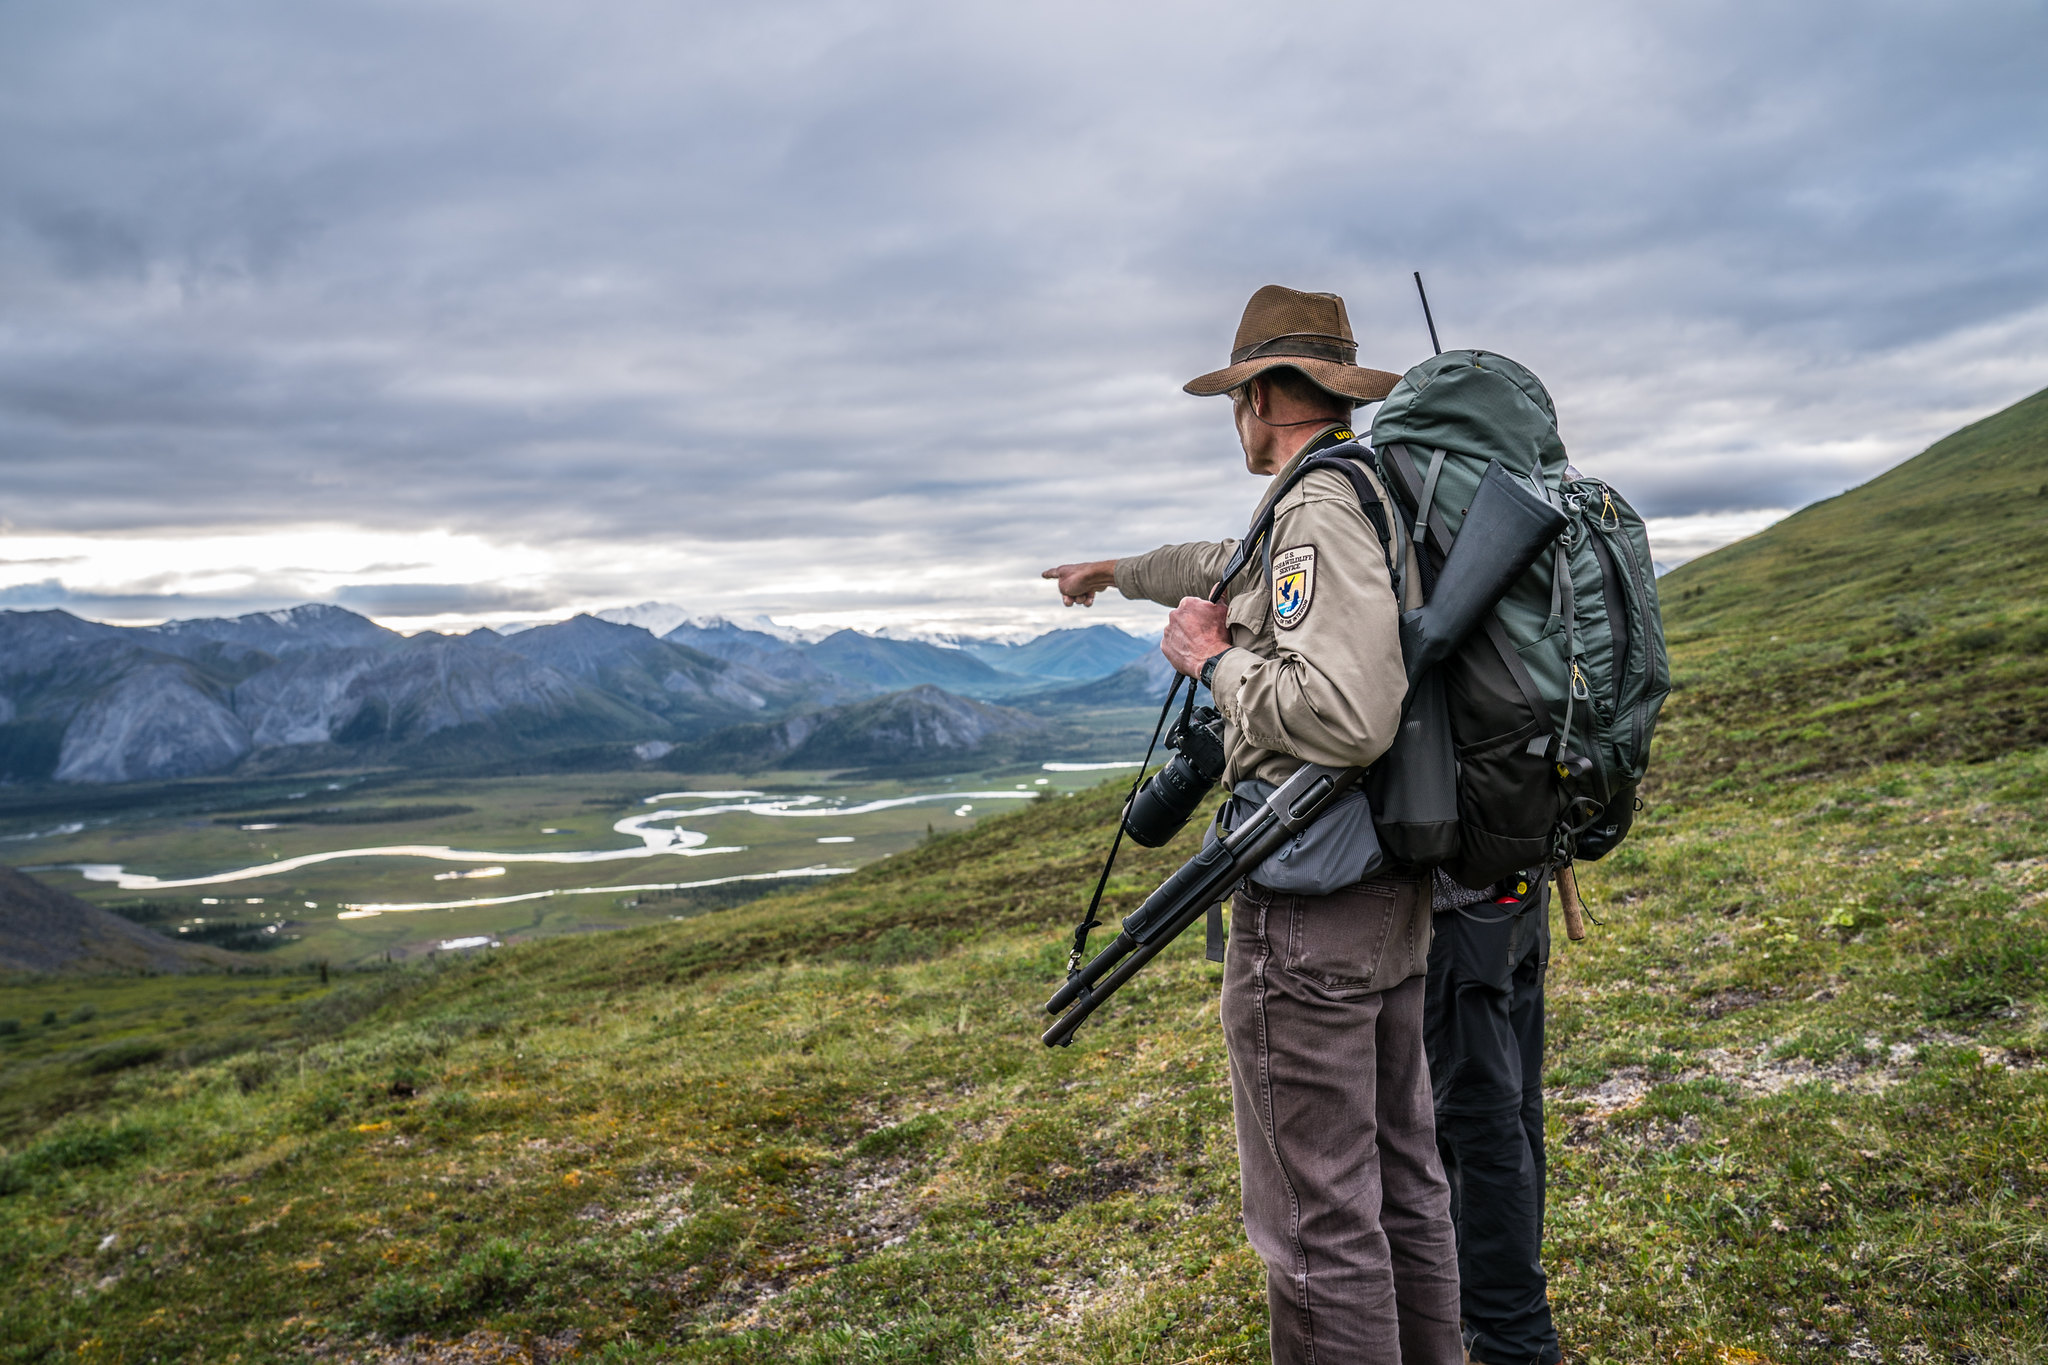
(1088, 920)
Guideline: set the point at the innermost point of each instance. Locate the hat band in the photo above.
(1308, 345)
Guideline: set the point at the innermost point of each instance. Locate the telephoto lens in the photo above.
(1163, 805)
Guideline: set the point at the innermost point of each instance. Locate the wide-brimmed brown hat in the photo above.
(1310, 332)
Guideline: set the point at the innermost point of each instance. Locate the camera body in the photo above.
(1164, 804)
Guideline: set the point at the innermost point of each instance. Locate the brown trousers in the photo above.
(1344, 1195)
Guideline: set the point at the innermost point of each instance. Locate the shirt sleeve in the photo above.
(1171, 572)
(1332, 691)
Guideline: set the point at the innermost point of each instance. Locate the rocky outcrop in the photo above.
(156, 722)
(367, 696)
(307, 699)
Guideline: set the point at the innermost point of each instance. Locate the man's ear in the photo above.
(1261, 396)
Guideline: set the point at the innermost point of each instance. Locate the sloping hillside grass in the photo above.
(1906, 618)
(1799, 1107)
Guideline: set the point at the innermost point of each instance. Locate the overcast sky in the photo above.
(455, 311)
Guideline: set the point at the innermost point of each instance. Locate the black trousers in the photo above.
(1483, 1030)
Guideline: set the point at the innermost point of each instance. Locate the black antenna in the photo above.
(1425, 314)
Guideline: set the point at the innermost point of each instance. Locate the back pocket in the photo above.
(1341, 942)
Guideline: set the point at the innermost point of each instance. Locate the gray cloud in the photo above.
(437, 599)
(140, 604)
(860, 289)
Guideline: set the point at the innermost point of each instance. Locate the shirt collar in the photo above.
(1334, 434)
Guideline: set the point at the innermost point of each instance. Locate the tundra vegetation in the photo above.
(1798, 1102)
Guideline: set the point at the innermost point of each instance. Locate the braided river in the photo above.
(660, 833)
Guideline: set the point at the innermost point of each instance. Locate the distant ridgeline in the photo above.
(1904, 619)
(319, 687)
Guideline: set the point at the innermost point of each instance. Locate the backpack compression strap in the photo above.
(1401, 460)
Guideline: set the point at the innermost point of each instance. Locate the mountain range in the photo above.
(317, 686)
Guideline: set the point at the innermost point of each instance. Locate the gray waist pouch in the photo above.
(1336, 851)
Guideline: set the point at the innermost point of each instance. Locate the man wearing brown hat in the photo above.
(1344, 1194)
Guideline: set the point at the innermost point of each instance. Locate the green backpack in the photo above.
(1552, 704)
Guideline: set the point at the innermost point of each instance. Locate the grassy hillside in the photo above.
(1799, 1103)
(1907, 618)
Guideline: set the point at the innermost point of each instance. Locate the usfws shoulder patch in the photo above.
(1294, 585)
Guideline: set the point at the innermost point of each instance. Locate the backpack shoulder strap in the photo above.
(1352, 460)
(1371, 497)
(1349, 460)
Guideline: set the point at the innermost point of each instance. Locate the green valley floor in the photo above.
(1798, 1112)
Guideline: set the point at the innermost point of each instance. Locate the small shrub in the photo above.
(254, 1070)
(49, 1018)
(1627, 858)
(102, 1061)
(1986, 977)
(319, 1106)
(909, 1135)
(8, 1026)
(75, 1149)
(495, 1275)
(1981, 639)
(397, 1306)
(1028, 1147)
(777, 1165)
(83, 1013)
(450, 1113)
(897, 945)
(1909, 622)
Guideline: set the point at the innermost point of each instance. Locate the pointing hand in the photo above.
(1080, 582)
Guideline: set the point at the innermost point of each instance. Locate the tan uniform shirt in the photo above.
(1315, 674)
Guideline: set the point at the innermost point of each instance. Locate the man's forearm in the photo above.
(1172, 572)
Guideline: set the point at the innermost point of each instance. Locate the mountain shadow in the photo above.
(1141, 682)
(1064, 655)
(892, 664)
(43, 929)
